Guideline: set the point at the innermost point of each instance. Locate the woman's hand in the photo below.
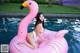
(45, 39)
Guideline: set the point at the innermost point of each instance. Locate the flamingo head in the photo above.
(32, 5)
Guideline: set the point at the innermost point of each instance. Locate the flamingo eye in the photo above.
(30, 3)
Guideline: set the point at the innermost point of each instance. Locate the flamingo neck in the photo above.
(23, 26)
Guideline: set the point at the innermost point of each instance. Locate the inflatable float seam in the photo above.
(15, 45)
(57, 45)
(53, 47)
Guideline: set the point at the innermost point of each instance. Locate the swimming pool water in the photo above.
(9, 27)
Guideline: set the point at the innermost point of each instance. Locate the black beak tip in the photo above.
(21, 7)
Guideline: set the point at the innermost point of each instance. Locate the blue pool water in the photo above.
(9, 27)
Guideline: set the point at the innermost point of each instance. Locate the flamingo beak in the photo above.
(25, 4)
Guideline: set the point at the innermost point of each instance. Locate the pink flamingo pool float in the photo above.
(56, 43)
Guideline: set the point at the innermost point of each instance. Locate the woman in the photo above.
(34, 37)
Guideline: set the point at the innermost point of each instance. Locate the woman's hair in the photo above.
(38, 21)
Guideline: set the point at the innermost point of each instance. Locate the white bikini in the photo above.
(35, 35)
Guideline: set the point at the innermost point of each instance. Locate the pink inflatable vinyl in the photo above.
(56, 43)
